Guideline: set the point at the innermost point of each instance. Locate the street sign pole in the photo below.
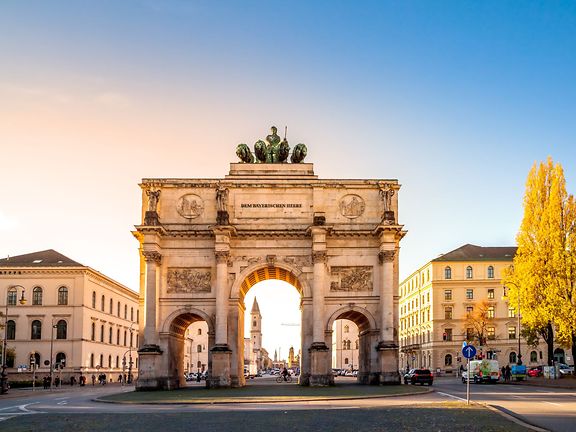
(468, 351)
(468, 384)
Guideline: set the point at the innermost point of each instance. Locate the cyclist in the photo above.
(285, 373)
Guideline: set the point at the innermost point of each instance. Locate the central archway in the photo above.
(248, 279)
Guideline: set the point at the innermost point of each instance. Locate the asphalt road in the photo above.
(552, 409)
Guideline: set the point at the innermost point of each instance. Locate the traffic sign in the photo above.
(469, 351)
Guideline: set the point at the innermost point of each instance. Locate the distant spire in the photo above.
(255, 308)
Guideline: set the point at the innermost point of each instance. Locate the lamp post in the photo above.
(519, 357)
(52, 327)
(130, 356)
(4, 379)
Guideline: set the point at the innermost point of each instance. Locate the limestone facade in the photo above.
(196, 347)
(96, 318)
(205, 242)
(345, 345)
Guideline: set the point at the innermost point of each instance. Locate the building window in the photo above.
(37, 296)
(491, 332)
(61, 329)
(125, 311)
(91, 360)
(131, 339)
(102, 303)
(111, 306)
(118, 310)
(447, 273)
(469, 294)
(254, 323)
(36, 330)
(469, 310)
(11, 330)
(490, 312)
(512, 332)
(448, 360)
(102, 334)
(448, 313)
(62, 296)
(447, 294)
(93, 337)
(118, 337)
(11, 297)
(60, 360)
(199, 332)
(93, 299)
(511, 312)
(346, 329)
(199, 348)
(117, 362)
(125, 339)
(490, 294)
(512, 357)
(533, 356)
(356, 344)
(101, 360)
(469, 334)
(36, 359)
(469, 273)
(137, 316)
(109, 361)
(490, 272)
(131, 314)
(448, 333)
(110, 335)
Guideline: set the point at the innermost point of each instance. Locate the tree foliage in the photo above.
(543, 277)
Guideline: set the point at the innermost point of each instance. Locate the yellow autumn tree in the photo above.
(542, 279)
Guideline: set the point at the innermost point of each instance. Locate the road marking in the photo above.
(62, 403)
(451, 396)
(552, 403)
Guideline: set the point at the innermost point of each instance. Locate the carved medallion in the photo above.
(352, 206)
(351, 278)
(188, 280)
(190, 206)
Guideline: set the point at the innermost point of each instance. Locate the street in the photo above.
(552, 409)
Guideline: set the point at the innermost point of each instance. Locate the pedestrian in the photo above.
(93, 379)
(72, 381)
(503, 373)
(508, 373)
(82, 380)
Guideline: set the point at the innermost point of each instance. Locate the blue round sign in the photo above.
(468, 351)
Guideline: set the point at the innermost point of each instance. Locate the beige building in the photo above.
(196, 348)
(87, 320)
(345, 345)
(459, 297)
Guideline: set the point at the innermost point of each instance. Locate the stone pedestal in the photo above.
(388, 359)
(321, 372)
(149, 367)
(220, 376)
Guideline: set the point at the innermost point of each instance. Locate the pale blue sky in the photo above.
(456, 99)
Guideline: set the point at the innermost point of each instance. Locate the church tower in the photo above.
(256, 327)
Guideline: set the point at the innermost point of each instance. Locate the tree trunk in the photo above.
(574, 352)
(547, 334)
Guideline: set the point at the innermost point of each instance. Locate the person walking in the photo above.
(93, 379)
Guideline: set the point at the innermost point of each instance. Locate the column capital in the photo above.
(386, 256)
(152, 256)
(319, 256)
(222, 256)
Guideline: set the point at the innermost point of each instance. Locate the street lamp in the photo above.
(22, 301)
(52, 327)
(130, 356)
(519, 357)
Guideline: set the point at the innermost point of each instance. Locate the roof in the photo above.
(470, 252)
(255, 308)
(47, 258)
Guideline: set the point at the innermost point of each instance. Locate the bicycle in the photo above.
(280, 379)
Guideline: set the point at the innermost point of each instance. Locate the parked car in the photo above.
(408, 375)
(482, 371)
(420, 376)
(564, 369)
(536, 371)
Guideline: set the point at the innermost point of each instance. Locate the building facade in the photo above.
(345, 345)
(460, 297)
(196, 348)
(87, 320)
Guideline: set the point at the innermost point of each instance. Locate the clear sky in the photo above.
(456, 99)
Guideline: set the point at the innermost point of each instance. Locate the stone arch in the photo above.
(176, 318)
(368, 331)
(255, 273)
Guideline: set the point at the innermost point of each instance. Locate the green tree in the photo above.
(542, 279)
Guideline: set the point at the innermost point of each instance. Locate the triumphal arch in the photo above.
(205, 242)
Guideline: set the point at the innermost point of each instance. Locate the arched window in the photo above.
(490, 272)
(37, 296)
(91, 360)
(93, 331)
(101, 336)
(469, 272)
(131, 314)
(102, 302)
(346, 329)
(512, 357)
(11, 330)
(111, 306)
(37, 359)
(199, 348)
(62, 295)
(36, 330)
(448, 360)
(199, 332)
(346, 361)
(60, 360)
(533, 356)
(11, 296)
(447, 273)
(61, 329)
(93, 299)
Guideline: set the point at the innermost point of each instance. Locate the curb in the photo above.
(258, 401)
(510, 416)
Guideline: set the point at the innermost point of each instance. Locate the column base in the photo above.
(321, 371)
(220, 373)
(388, 359)
(149, 363)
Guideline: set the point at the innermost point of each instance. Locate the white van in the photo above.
(482, 371)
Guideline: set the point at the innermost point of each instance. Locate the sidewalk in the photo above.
(568, 382)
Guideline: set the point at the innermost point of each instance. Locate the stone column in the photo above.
(387, 347)
(321, 371)
(222, 297)
(152, 278)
